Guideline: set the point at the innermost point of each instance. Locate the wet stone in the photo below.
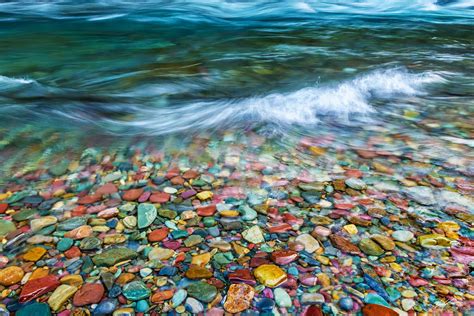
(202, 291)
(112, 256)
(136, 290)
(146, 214)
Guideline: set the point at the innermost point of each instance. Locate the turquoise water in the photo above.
(77, 72)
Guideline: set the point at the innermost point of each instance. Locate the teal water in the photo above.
(76, 74)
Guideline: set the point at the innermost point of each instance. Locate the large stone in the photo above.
(369, 247)
(11, 275)
(146, 214)
(112, 256)
(6, 227)
(239, 298)
(253, 235)
(136, 290)
(202, 291)
(270, 275)
(377, 310)
(159, 254)
(39, 223)
(60, 296)
(89, 293)
(343, 244)
(310, 244)
(37, 287)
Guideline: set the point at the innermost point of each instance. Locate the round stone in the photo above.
(402, 235)
(136, 290)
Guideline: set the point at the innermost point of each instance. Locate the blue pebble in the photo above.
(385, 221)
(142, 306)
(265, 304)
(168, 271)
(115, 291)
(112, 223)
(106, 307)
(346, 304)
(293, 271)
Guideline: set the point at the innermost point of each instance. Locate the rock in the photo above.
(402, 235)
(132, 195)
(310, 244)
(343, 244)
(11, 275)
(158, 234)
(130, 222)
(384, 241)
(201, 259)
(270, 275)
(39, 223)
(202, 291)
(161, 296)
(282, 298)
(377, 310)
(193, 306)
(434, 241)
(89, 293)
(356, 184)
(136, 290)
(80, 232)
(90, 243)
(6, 227)
(64, 244)
(105, 307)
(196, 272)
(193, 240)
(204, 195)
(253, 235)
(36, 309)
(72, 223)
(113, 256)
(239, 298)
(60, 296)
(346, 304)
(160, 254)
(408, 304)
(34, 254)
(369, 247)
(421, 195)
(146, 214)
(312, 298)
(37, 287)
(282, 257)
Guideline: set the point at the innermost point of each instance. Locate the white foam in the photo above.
(303, 107)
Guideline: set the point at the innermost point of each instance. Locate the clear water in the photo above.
(111, 74)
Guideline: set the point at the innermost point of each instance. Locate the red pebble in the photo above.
(206, 210)
(89, 293)
(72, 252)
(3, 207)
(159, 197)
(132, 195)
(37, 287)
(158, 234)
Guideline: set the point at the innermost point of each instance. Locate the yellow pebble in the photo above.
(395, 266)
(270, 275)
(351, 229)
(202, 259)
(324, 279)
(72, 279)
(449, 226)
(4, 196)
(324, 260)
(204, 195)
(60, 296)
(229, 213)
(34, 254)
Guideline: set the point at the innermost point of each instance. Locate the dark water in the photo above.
(77, 74)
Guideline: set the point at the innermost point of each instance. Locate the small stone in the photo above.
(421, 195)
(402, 235)
(11, 275)
(130, 222)
(34, 254)
(132, 195)
(136, 290)
(193, 306)
(72, 279)
(80, 232)
(343, 244)
(60, 296)
(346, 304)
(37, 224)
(369, 247)
(193, 240)
(89, 293)
(202, 291)
(356, 184)
(114, 255)
(158, 234)
(270, 275)
(351, 229)
(204, 195)
(64, 244)
(146, 214)
(310, 244)
(384, 241)
(201, 259)
(179, 297)
(239, 297)
(282, 298)
(36, 309)
(90, 243)
(378, 310)
(161, 296)
(197, 272)
(253, 235)
(312, 298)
(6, 227)
(159, 254)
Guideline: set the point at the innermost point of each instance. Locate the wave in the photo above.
(210, 10)
(302, 107)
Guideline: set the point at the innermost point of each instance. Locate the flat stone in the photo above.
(34, 254)
(179, 296)
(6, 227)
(39, 223)
(11, 275)
(136, 290)
(282, 298)
(384, 241)
(197, 272)
(239, 298)
(36, 309)
(356, 184)
(64, 244)
(193, 240)
(132, 194)
(270, 275)
(403, 235)
(80, 232)
(421, 195)
(113, 256)
(161, 296)
(60, 296)
(37, 287)
(201, 259)
(202, 291)
(158, 234)
(369, 247)
(309, 242)
(146, 214)
(282, 257)
(343, 244)
(89, 293)
(378, 310)
(159, 254)
(90, 243)
(253, 235)
(193, 306)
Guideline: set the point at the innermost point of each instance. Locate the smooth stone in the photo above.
(36, 309)
(39, 223)
(408, 304)
(136, 290)
(34, 254)
(11, 275)
(356, 184)
(282, 298)
(6, 227)
(378, 310)
(64, 244)
(179, 297)
(309, 242)
(113, 256)
(253, 235)
(239, 298)
(373, 298)
(247, 213)
(126, 311)
(197, 272)
(142, 306)
(169, 214)
(89, 293)
(312, 298)
(193, 240)
(90, 243)
(60, 295)
(146, 214)
(193, 306)
(24, 215)
(384, 241)
(159, 254)
(72, 223)
(105, 307)
(369, 247)
(403, 235)
(130, 222)
(346, 304)
(270, 275)
(202, 291)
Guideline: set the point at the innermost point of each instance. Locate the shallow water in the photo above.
(279, 97)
